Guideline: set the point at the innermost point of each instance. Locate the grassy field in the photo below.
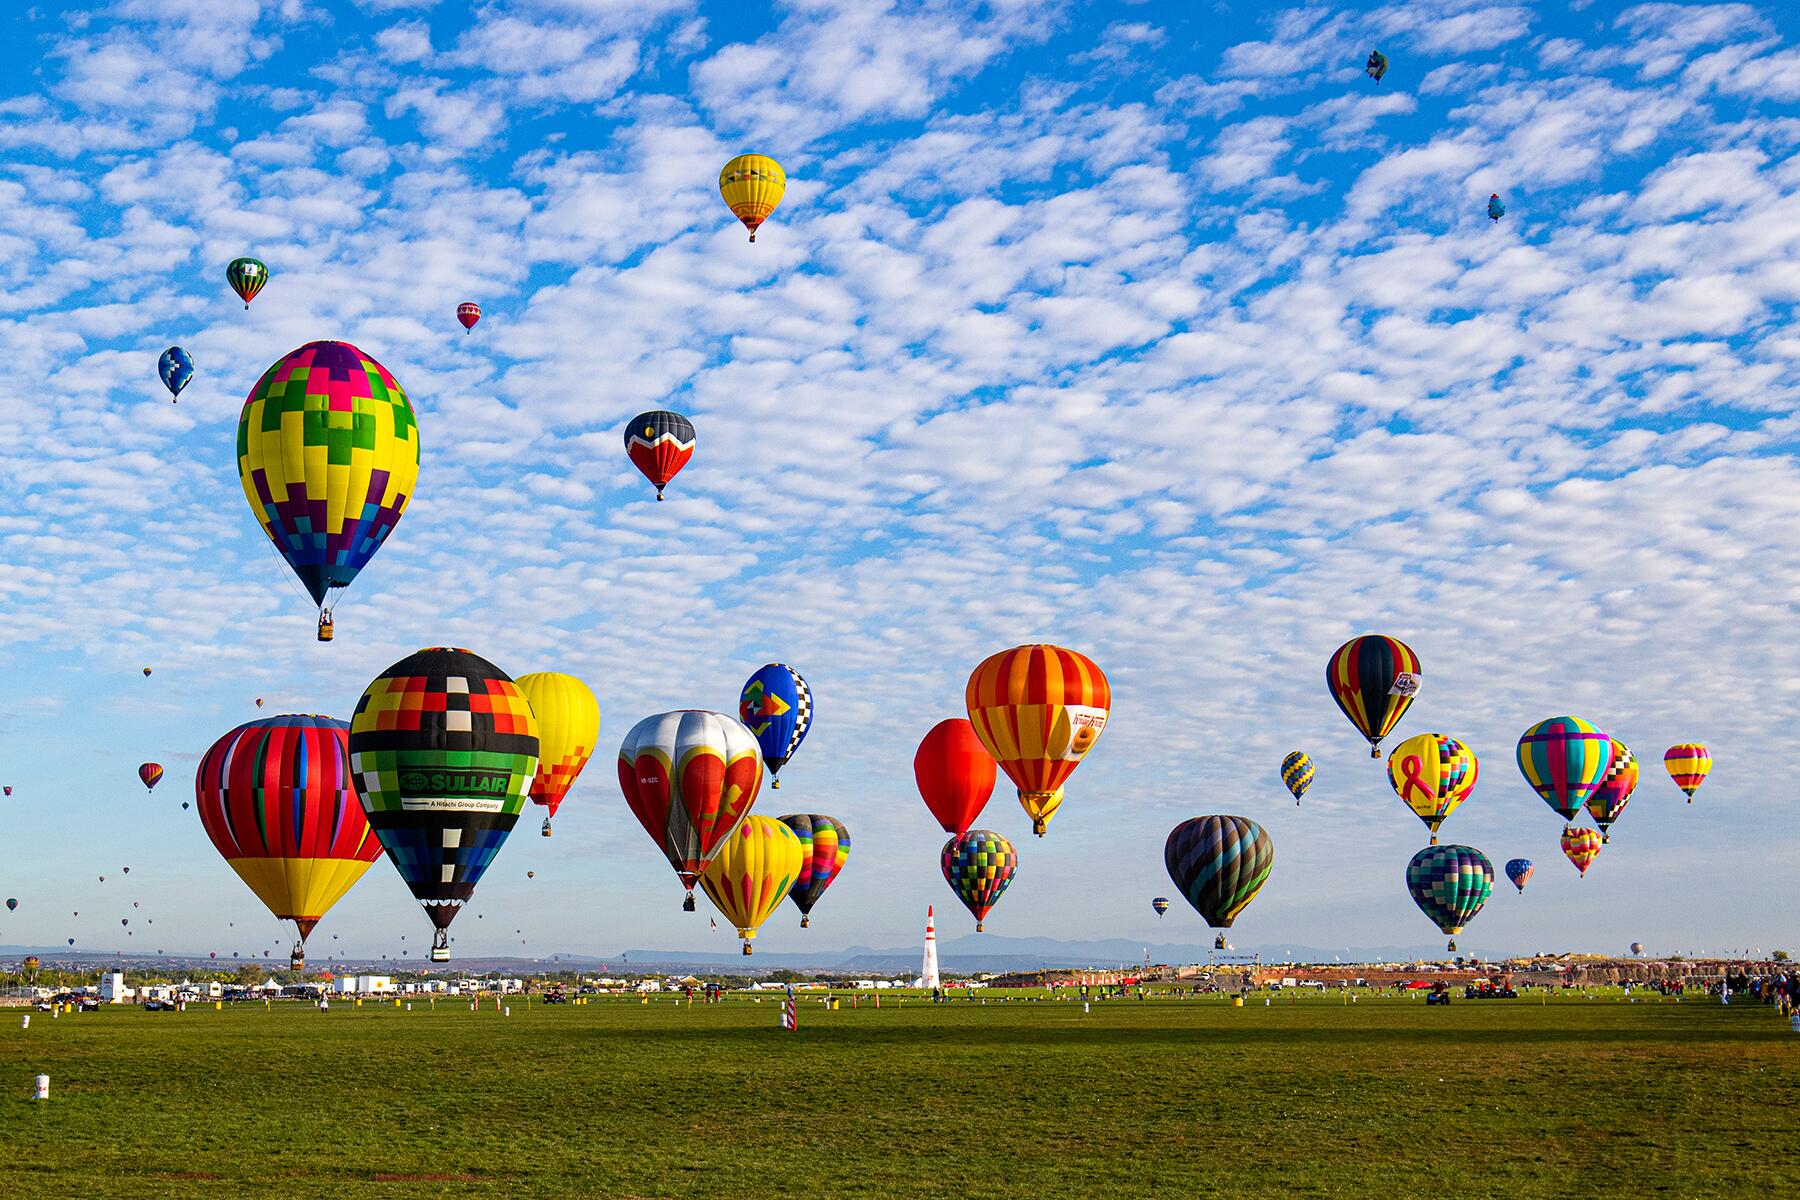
(1307, 1097)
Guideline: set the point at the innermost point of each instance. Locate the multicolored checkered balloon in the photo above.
(1450, 884)
(978, 866)
(444, 747)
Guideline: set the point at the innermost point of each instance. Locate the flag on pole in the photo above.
(790, 1017)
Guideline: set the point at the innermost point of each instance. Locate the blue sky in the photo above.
(1155, 331)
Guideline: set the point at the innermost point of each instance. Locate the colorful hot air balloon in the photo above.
(151, 773)
(659, 443)
(12, 904)
(176, 367)
(1581, 846)
(776, 706)
(1688, 765)
(328, 453)
(1495, 207)
(752, 873)
(146, 672)
(1038, 709)
(1373, 679)
(1519, 870)
(9, 789)
(1450, 884)
(978, 865)
(568, 724)
(1637, 948)
(1297, 774)
(259, 702)
(468, 312)
(1377, 65)
(444, 747)
(825, 847)
(277, 800)
(955, 774)
(1160, 904)
(752, 185)
(1219, 863)
(690, 778)
(1608, 801)
(1432, 773)
(246, 277)
(1563, 759)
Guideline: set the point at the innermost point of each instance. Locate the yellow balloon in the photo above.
(1433, 773)
(568, 719)
(752, 185)
(752, 873)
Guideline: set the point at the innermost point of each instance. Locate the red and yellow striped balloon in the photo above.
(1038, 709)
(1688, 765)
(1581, 846)
(752, 873)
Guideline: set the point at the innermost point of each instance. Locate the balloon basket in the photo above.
(546, 828)
(688, 904)
(746, 947)
(326, 628)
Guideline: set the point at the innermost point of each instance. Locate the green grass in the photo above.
(1384, 1098)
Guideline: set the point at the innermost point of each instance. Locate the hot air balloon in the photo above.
(9, 789)
(1563, 759)
(176, 367)
(752, 185)
(1519, 870)
(146, 672)
(246, 277)
(1373, 679)
(1495, 208)
(12, 904)
(1219, 863)
(690, 778)
(776, 707)
(1160, 904)
(1688, 765)
(978, 865)
(825, 847)
(259, 702)
(328, 453)
(1450, 884)
(468, 312)
(151, 773)
(659, 443)
(531, 874)
(568, 722)
(955, 774)
(444, 746)
(752, 873)
(1432, 773)
(1637, 948)
(1038, 709)
(1581, 846)
(1377, 65)
(1608, 801)
(277, 799)
(1297, 774)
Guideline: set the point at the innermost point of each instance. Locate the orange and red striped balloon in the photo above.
(1038, 709)
(1688, 765)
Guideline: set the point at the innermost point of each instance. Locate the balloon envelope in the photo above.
(468, 312)
(1433, 774)
(659, 443)
(1609, 798)
(1160, 904)
(443, 746)
(1519, 871)
(1450, 884)
(1580, 846)
(328, 453)
(1564, 759)
(776, 707)
(1297, 773)
(690, 778)
(825, 848)
(1219, 863)
(978, 866)
(568, 724)
(751, 186)
(955, 774)
(151, 774)
(1038, 709)
(1688, 764)
(1373, 680)
(278, 802)
(752, 873)
(176, 367)
(246, 277)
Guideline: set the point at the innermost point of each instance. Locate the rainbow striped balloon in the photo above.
(1688, 765)
(1564, 759)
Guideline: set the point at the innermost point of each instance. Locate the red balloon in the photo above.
(955, 774)
(468, 312)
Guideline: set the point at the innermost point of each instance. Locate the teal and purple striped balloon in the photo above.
(1450, 884)
(1219, 863)
(1564, 759)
